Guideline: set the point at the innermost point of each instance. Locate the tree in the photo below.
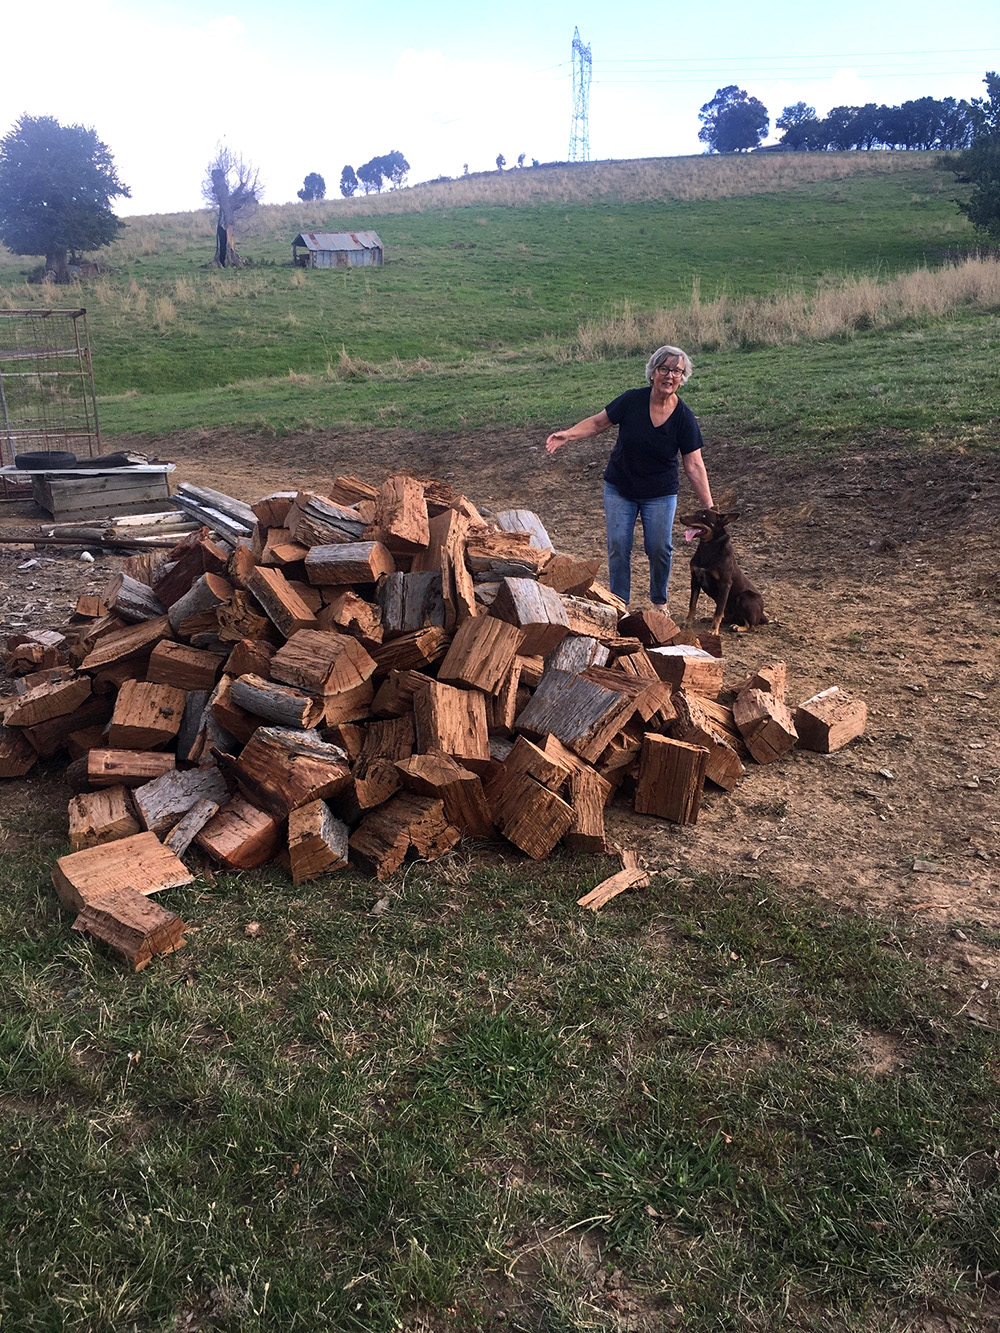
(979, 165)
(234, 188)
(732, 122)
(313, 187)
(56, 187)
(395, 168)
(501, 161)
(348, 182)
(520, 159)
(371, 176)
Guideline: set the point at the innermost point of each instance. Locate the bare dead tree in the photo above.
(232, 186)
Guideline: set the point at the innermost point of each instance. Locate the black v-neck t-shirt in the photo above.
(643, 463)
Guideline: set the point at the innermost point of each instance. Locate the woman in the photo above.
(654, 428)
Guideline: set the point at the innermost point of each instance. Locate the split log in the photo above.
(186, 564)
(439, 776)
(765, 724)
(47, 738)
(272, 510)
(44, 702)
(282, 769)
(322, 662)
(772, 678)
(536, 610)
(315, 521)
(381, 842)
(349, 562)
(375, 775)
(79, 743)
(280, 704)
(184, 667)
(581, 713)
(206, 594)
(240, 836)
(132, 926)
(452, 721)
(346, 611)
(131, 600)
(132, 768)
(317, 842)
(352, 490)
(401, 513)
(503, 703)
(598, 593)
(249, 657)
(695, 725)
(101, 816)
(395, 694)
(671, 779)
(589, 794)
(184, 832)
(90, 605)
(576, 653)
(234, 720)
(565, 573)
(830, 719)
(481, 654)
(410, 602)
(146, 715)
(685, 667)
(446, 553)
(411, 651)
(17, 755)
(522, 802)
(651, 628)
(241, 619)
(140, 862)
(128, 644)
(591, 618)
(280, 550)
(524, 520)
(280, 601)
(167, 799)
(505, 554)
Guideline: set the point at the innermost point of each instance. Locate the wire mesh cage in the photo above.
(47, 400)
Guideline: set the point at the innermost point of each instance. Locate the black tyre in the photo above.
(51, 459)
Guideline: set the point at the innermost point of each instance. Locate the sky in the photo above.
(311, 86)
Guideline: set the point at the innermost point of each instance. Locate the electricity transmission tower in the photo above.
(579, 133)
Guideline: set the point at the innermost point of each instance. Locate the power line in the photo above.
(800, 77)
(579, 134)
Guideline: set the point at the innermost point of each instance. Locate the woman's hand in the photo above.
(583, 430)
(556, 440)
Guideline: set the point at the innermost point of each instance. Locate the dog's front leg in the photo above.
(695, 590)
(721, 598)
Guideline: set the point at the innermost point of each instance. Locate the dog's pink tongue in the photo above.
(690, 534)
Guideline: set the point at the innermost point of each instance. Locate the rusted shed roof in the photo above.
(339, 240)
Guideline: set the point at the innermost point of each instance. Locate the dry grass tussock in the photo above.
(840, 309)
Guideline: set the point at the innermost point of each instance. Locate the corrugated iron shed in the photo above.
(337, 249)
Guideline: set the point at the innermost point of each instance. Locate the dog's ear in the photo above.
(729, 518)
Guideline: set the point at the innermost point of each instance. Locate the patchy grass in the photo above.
(459, 1099)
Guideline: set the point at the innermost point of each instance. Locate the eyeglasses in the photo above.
(670, 370)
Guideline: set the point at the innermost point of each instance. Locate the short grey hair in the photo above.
(664, 353)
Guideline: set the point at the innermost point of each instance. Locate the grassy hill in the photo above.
(529, 298)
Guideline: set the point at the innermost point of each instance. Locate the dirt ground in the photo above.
(879, 572)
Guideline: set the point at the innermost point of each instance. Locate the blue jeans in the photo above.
(657, 520)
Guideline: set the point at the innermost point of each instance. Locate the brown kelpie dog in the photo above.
(714, 571)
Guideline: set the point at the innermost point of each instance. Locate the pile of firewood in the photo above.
(373, 673)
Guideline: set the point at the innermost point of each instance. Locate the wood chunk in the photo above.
(582, 714)
(240, 836)
(240, 620)
(565, 573)
(348, 562)
(282, 769)
(146, 715)
(524, 520)
(830, 719)
(620, 757)
(452, 721)
(631, 876)
(591, 618)
(351, 490)
(375, 775)
(395, 694)
(439, 776)
(671, 779)
(250, 657)
(411, 651)
(502, 705)
(401, 513)
(536, 610)
(598, 593)
(345, 610)
(576, 653)
(280, 550)
(185, 565)
(78, 743)
(408, 822)
(528, 814)
(772, 678)
(316, 521)
(446, 553)
(132, 926)
(101, 816)
(234, 721)
(90, 605)
(184, 667)
(410, 602)
(686, 667)
(765, 724)
(504, 554)
(317, 842)
(183, 833)
(206, 594)
(140, 862)
(281, 704)
(322, 663)
(123, 645)
(652, 697)
(280, 601)
(589, 794)
(107, 767)
(131, 600)
(546, 766)
(481, 654)
(44, 702)
(17, 755)
(272, 510)
(165, 800)
(695, 725)
(532, 670)
(48, 677)
(722, 718)
(652, 628)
